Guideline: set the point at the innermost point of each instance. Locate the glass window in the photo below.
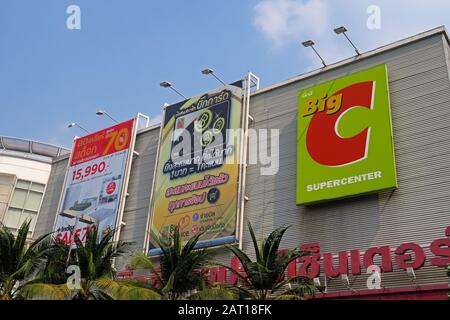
(22, 184)
(33, 201)
(28, 216)
(12, 218)
(38, 187)
(25, 204)
(18, 198)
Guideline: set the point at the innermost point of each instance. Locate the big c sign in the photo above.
(344, 144)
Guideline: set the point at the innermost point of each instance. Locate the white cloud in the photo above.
(157, 119)
(282, 21)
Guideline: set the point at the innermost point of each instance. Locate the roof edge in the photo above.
(371, 53)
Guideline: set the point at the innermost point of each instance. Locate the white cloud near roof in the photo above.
(285, 22)
(157, 119)
(282, 21)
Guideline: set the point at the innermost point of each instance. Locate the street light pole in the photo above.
(74, 124)
(103, 112)
(72, 231)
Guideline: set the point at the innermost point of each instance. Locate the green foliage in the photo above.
(265, 277)
(180, 268)
(39, 272)
(218, 292)
(19, 261)
(448, 273)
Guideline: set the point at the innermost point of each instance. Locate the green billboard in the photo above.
(344, 143)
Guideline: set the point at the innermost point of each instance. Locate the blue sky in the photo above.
(50, 76)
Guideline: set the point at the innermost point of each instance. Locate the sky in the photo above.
(51, 75)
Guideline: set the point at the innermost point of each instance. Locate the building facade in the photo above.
(25, 167)
(376, 229)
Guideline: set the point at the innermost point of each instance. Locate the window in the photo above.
(25, 204)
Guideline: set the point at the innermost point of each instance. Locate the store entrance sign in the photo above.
(345, 144)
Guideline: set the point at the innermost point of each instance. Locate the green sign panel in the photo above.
(344, 144)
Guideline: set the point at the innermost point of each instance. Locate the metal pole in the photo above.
(218, 79)
(82, 128)
(356, 49)
(323, 62)
(109, 116)
(71, 237)
(179, 93)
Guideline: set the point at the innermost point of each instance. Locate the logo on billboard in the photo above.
(111, 188)
(345, 142)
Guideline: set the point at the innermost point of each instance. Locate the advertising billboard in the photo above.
(345, 143)
(94, 183)
(196, 177)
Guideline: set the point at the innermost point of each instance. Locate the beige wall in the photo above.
(25, 169)
(7, 182)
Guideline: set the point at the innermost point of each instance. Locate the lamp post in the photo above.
(104, 113)
(83, 218)
(168, 85)
(343, 30)
(310, 44)
(209, 71)
(74, 124)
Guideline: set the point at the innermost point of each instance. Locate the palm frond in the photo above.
(272, 245)
(217, 293)
(124, 290)
(255, 242)
(45, 291)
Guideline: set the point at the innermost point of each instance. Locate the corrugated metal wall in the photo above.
(139, 188)
(417, 212)
(46, 216)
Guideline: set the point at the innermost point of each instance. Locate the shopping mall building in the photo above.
(403, 228)
(25, 167)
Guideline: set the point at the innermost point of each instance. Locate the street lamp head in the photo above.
(308, 43)
(165, 84)
(207, 71)
(71, 125)
(100, 112)
(340, 30)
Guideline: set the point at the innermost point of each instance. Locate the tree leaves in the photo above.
(265, 276)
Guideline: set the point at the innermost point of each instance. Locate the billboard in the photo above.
(196, 177)
(344, 143)
(97, 172)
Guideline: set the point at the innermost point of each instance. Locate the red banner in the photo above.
(102, 143)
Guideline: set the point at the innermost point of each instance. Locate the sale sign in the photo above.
(196, 179)
(345, 143)
(94, 182)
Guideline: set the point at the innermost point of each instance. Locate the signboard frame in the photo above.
(336, 161)
(246, 85)
(124, 185)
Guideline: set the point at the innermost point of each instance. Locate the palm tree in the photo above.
(19, 261)
(265, 277)
(98, 281)
(448, 273)
(181, 269)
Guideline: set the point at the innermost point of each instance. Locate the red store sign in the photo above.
(407, 255)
